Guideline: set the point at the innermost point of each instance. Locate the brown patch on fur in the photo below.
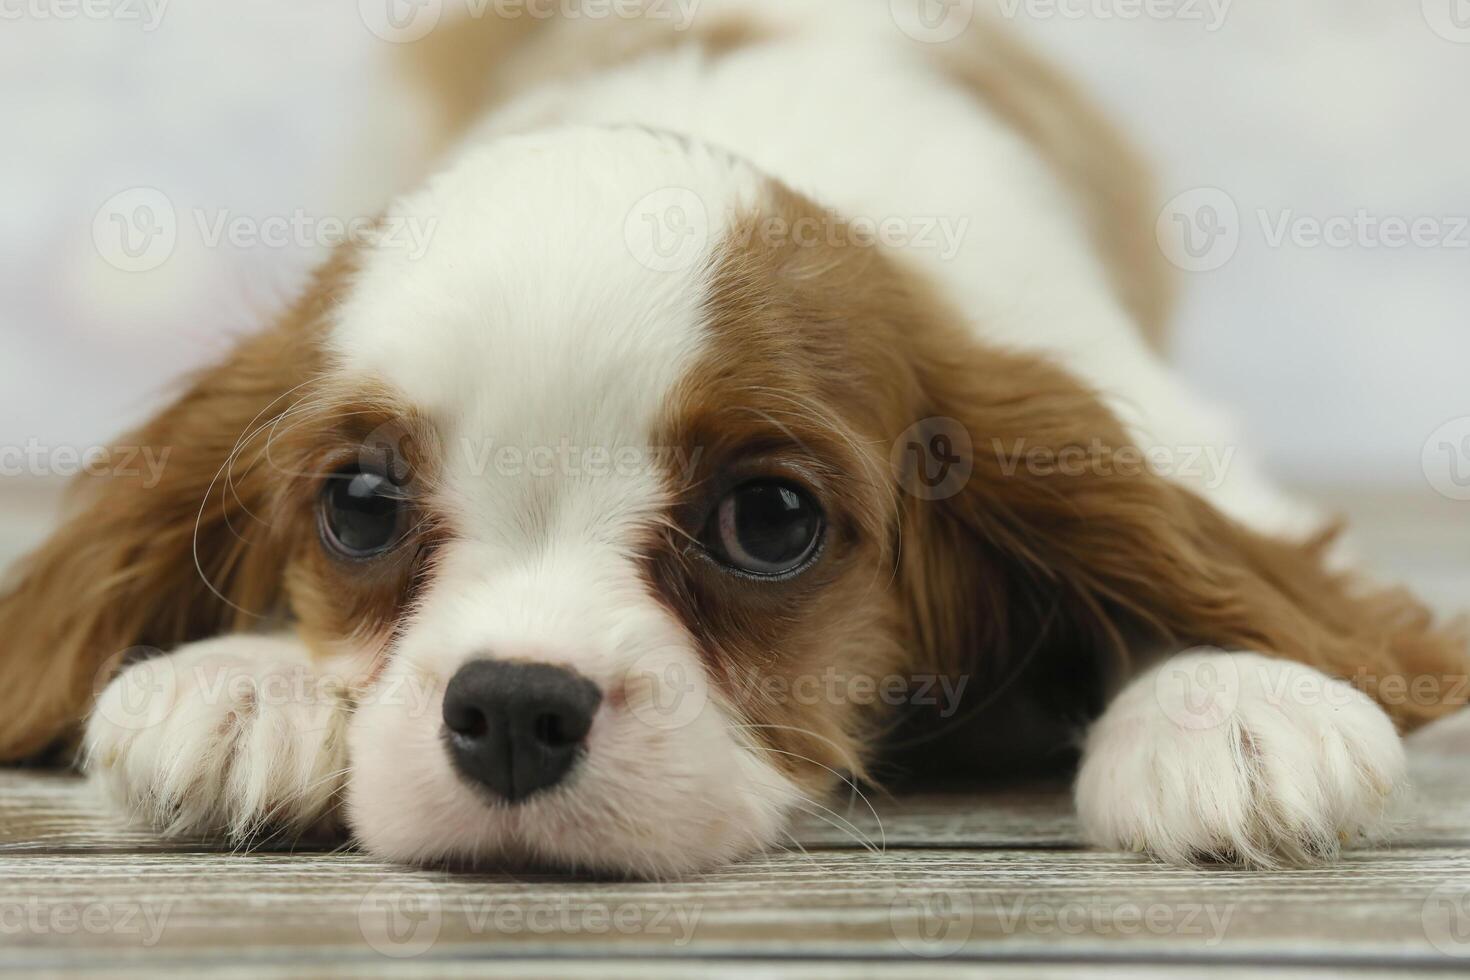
(1122, 562)
(1101, 169)
(247, 447)
(339, 601)
(793, 387)
(1043, 591)
(469, 65)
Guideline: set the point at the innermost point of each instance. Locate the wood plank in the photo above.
(774, 969)
(1386, 907)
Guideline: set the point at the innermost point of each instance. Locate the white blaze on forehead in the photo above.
(558, 303)
(562, 282)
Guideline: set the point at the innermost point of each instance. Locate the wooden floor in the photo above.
(995, 880)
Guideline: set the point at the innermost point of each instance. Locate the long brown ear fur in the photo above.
(145, 565)
(1074, 578)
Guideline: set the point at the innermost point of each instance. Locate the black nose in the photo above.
(517, 727)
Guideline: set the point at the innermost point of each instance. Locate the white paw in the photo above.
(1239, 758)
(235, 736)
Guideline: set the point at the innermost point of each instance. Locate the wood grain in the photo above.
(1373, 907)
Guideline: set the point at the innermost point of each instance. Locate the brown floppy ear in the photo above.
(180, 544)
(1057, 562)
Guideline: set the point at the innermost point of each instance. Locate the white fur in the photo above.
(1239, 757)
(233, 735)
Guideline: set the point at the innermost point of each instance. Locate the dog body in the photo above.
(759, 375)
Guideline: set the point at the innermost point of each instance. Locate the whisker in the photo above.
(882, 832)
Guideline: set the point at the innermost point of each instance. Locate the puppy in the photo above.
(764, 376)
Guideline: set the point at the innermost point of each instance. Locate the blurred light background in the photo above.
(1339, 360)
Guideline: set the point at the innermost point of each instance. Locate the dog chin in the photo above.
(643, 803)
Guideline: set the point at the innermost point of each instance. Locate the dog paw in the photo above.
(237, 736)
(1241, 759)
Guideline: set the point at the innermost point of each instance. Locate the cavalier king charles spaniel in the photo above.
(778, 405)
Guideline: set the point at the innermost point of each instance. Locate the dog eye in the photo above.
(765, 528)
(362, 513)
